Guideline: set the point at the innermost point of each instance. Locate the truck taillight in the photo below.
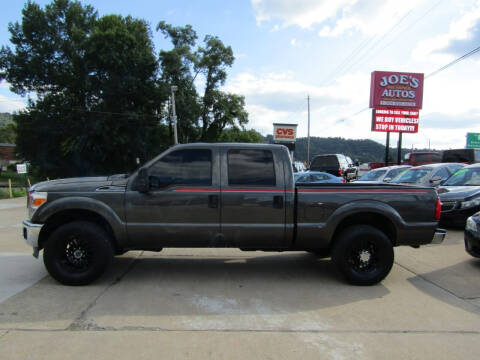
(340, 172)
(438, 210)
(343, 180)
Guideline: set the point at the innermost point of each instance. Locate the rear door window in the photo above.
(251, 167)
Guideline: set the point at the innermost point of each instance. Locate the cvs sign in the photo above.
(284, 132)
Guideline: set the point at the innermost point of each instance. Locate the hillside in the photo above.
(362, 150)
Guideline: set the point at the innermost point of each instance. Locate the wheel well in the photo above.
(66, 216)
(375, 220)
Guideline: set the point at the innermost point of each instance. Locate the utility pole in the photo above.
(308, 132)
(174, 115)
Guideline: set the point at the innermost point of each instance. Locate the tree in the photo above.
(203, 117)
(234, 134)
(101, 93)
(98, 100)
(8, 133)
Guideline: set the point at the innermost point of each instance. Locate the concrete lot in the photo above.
(228, 304)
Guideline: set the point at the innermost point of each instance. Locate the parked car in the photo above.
(363, 169)
(427, 175)
(467, 156)
(385, 174)
(422, 158)
(316, 177)
(460, 196)
(225, 195)
(335, 164)
(472, 235)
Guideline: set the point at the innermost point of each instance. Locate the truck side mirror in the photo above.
(387, 179)
(142, 183)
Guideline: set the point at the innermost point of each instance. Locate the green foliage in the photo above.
(5, 119)
(7, 129)
(200, 117)
(8, 133)
(96, 82)
(102, 94)
(16, 192)
(235, 134)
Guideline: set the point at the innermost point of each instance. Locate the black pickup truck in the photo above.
(225, 195)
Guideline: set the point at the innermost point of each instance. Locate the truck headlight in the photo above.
(471, 225)
(35, 200)
(470, 203)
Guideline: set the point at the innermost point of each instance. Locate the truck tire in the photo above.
(77, 253)
(363, 254)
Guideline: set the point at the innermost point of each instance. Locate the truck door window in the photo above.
(182, 167)
(251, 167)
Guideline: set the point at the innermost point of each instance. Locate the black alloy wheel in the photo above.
(77, 253)
(363, 254)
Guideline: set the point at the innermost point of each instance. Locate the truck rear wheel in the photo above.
(363, 254)
(77, 253)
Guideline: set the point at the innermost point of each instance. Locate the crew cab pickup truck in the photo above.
(225, 195)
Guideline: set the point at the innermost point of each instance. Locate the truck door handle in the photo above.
(278, 201)
(213, 201)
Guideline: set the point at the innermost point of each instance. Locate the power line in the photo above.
(463, 57)
(444, 67)
(411, 25)
(365, 54)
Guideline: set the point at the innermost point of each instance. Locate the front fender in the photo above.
(83, 203)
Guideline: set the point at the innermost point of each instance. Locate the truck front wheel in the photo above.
(363, 254)
(77, 253)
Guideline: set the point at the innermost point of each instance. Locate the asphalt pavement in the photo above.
(229, 304)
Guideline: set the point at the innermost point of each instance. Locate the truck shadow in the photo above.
(188, 286)
(454, 285)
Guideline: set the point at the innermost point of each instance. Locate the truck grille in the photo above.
(448, 205)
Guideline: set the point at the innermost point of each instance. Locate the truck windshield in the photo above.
(373, 175)
(464, 177)
(414, 176)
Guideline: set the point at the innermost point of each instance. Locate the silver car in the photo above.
(383, 174)
(428, 175)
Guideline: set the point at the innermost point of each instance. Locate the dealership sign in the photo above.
(396, 90)
(395, 120)
(284, 132)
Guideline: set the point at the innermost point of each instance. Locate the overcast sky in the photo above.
(288, 49)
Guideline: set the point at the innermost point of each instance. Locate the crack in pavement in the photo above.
(81, 322)
(465, 299)
(273, 331)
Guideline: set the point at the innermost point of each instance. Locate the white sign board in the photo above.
(22, 168)
(284, 133)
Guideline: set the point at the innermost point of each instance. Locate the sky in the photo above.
(286, 50)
